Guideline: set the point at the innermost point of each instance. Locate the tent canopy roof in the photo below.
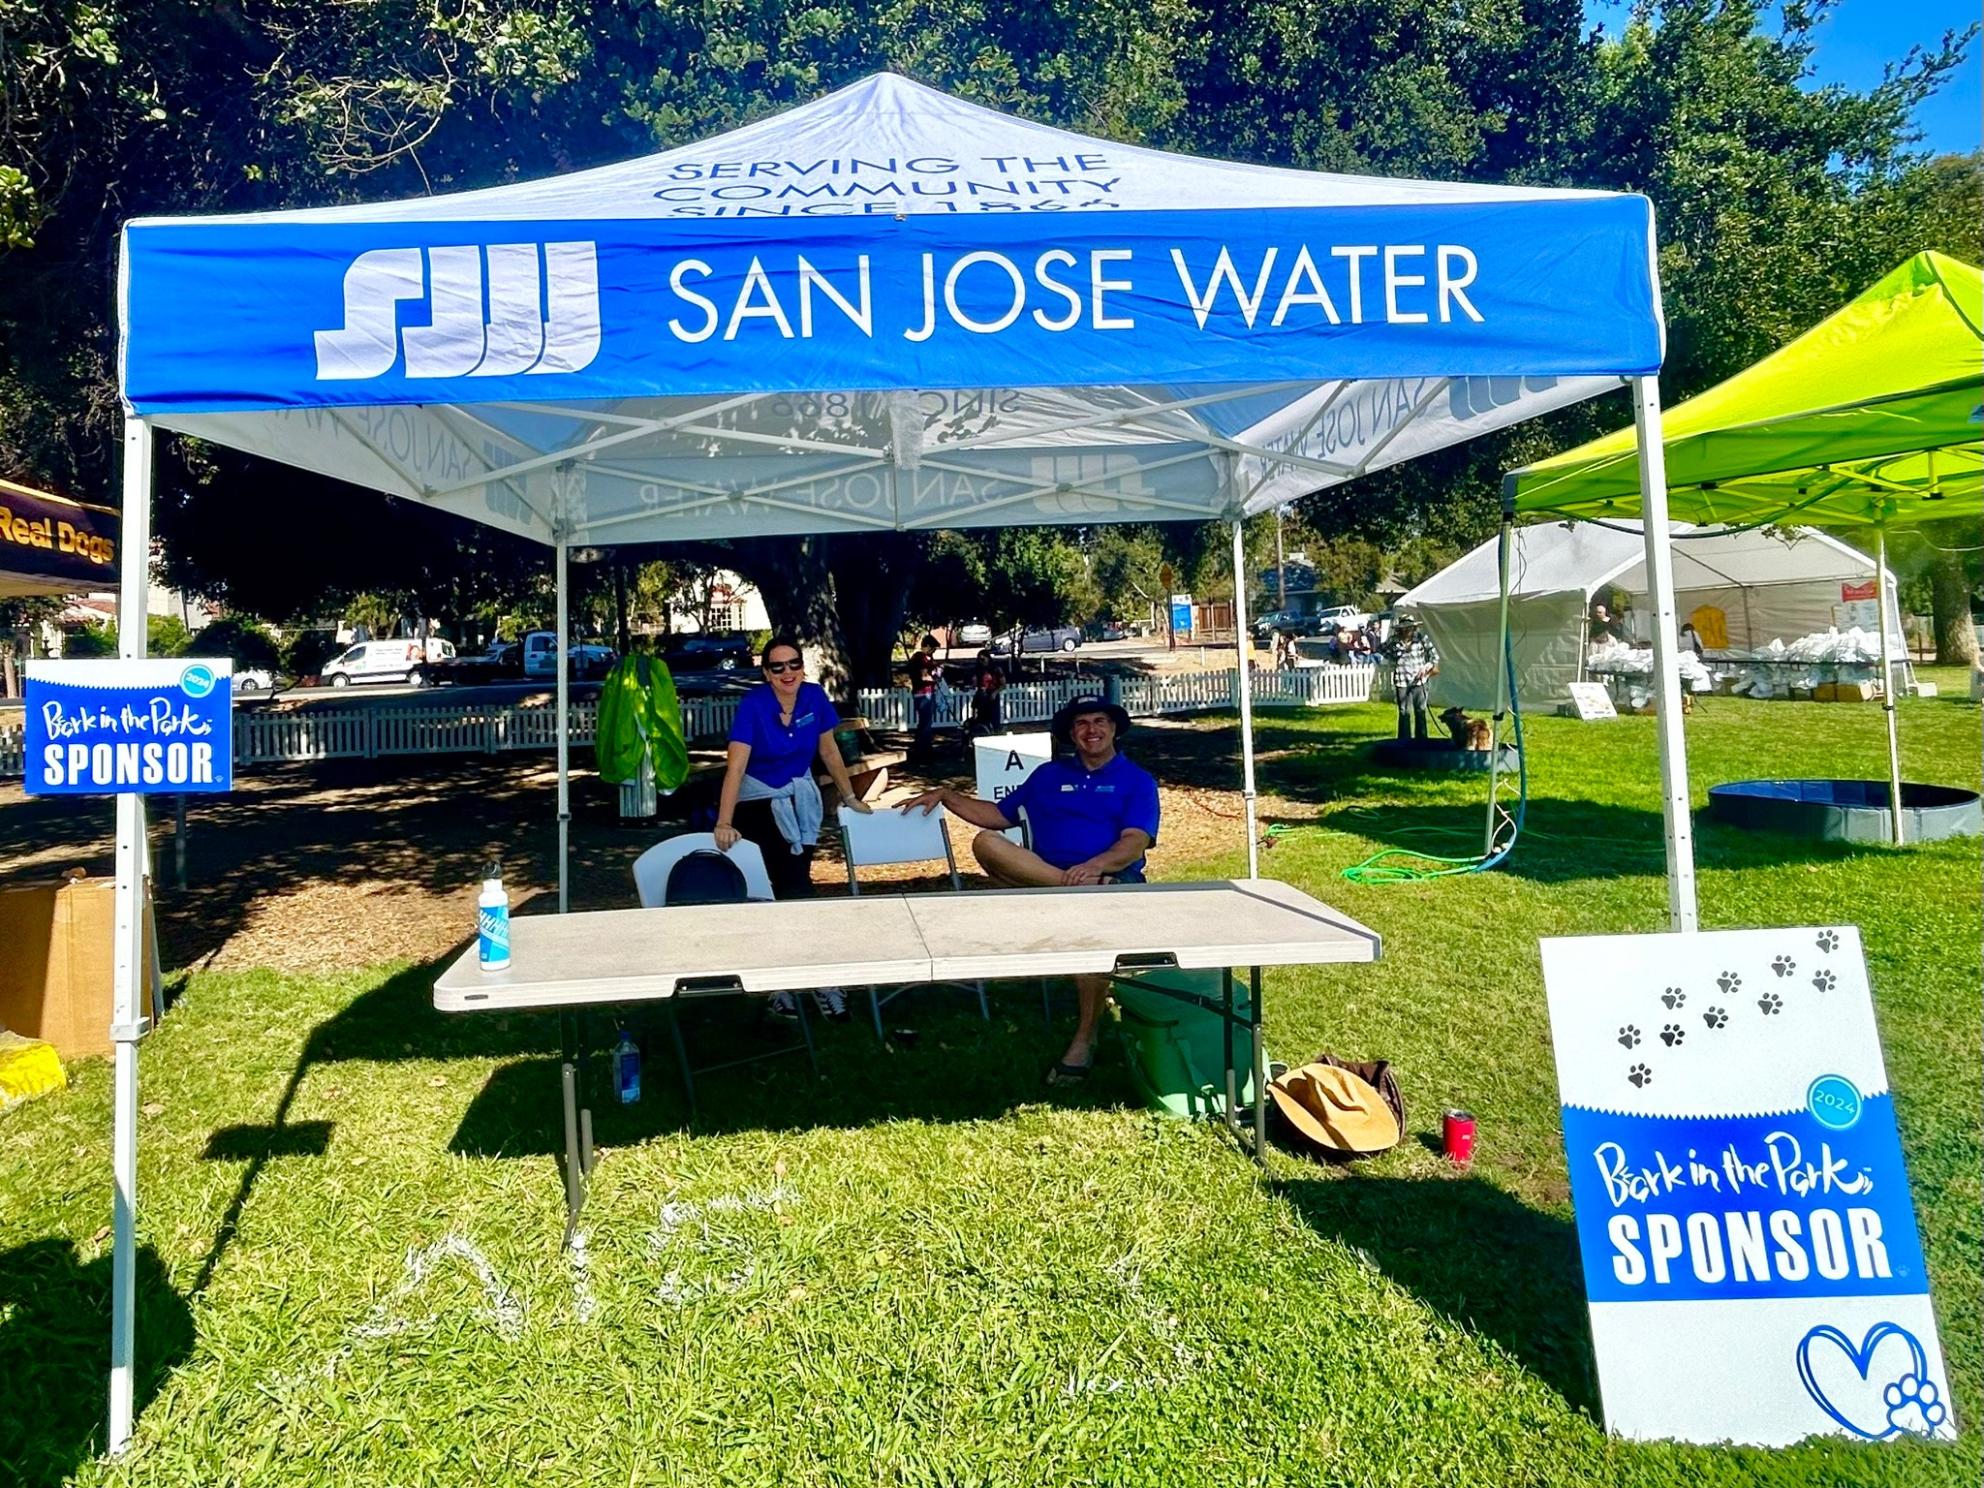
(1873, 415)
(885, 309)
(1582, 558)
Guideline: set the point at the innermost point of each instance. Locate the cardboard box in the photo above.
(56, 964)
(1849, 692)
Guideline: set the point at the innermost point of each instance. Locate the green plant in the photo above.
(248, 643)
(83, 641)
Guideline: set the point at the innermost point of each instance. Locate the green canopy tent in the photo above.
(1872, 419)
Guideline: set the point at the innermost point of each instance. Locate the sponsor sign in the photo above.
(141, 727)
(1181, 614)
(1750, 1252)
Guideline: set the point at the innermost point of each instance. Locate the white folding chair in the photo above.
(651, 870)
(890, 836)
(652, 867)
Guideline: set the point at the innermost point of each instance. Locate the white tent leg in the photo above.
(564, 732)
(131, 1006)
(1887, 681)
(1246, 695)
(1666, 674)
(1501, 680)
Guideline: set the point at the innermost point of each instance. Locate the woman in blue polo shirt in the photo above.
(768, 795)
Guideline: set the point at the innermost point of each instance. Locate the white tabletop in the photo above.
(1061, 932)
(633, 955)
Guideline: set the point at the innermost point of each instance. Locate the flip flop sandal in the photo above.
(1069, 1074)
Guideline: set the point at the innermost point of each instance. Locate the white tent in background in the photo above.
(885, 310)
(1740, 590)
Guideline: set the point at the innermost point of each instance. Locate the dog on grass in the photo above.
(1467, 733)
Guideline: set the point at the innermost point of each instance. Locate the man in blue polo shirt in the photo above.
(1091, 820)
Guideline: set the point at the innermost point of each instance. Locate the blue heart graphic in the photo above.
(1862, 1360)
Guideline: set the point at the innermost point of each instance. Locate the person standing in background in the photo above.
(1415, 663)
(922, 669)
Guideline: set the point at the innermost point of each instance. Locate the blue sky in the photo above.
(1861, 36)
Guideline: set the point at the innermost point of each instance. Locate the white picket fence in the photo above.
(263, 736)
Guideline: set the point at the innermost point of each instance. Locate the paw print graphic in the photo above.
(1640, 1075)
(1672, 1034)
(1673, 997)
(1825, 981)
(1828, 941)
(1915, 1404)
(1715, 1018)
(1729, 982)
(1770, 1002)
(1784, 966)
(1629, 1036)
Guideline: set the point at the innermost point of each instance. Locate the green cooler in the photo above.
(1176, 1048)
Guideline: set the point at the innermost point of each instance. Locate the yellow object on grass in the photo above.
(28, 1067)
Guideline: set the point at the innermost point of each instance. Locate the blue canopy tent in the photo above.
(883, 310)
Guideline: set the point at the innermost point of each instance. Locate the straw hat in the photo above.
(1335, 1109)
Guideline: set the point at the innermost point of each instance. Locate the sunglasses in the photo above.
(780, 668)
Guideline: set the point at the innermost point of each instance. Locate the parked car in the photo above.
(377, 661)
(1294, 622)
(1039, 642)
(1108, 630)
(501, 662)
(975, 634)
(708, 653)
(583, 659)
(254, 679)
(1340, 617)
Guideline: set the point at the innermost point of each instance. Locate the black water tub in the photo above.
(1438, 754)
(1846, 810)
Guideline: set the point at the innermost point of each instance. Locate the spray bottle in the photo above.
(492, 922)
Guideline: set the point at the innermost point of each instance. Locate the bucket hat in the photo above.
(1064, 720)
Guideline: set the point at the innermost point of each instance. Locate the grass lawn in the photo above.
(921, 1270)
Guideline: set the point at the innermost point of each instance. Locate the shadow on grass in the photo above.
(1566, 840)
(958, 1067)
(954, 1066)
(1474, 1253)
(55, 1354)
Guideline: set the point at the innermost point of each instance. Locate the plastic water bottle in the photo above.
(492, 922)
(627, 1068)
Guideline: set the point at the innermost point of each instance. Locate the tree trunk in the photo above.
(792, 574)
(872, 580)
(620, 606)
(1949, 599)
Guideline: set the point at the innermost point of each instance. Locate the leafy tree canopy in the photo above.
(1776, 201)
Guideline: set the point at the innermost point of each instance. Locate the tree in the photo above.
(1775, 200)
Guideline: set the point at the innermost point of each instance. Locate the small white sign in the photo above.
(1592, 701)
(1750, 1252)
(1004, 760)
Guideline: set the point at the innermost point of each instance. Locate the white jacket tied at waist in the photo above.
(797, 809)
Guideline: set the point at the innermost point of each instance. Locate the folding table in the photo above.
(641, 955)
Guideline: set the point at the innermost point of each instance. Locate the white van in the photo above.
(377, 661)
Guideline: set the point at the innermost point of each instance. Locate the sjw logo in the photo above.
(1475, 397)
(541, 313)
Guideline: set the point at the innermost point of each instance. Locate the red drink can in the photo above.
(1457, 1137)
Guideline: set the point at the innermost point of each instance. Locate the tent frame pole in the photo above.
(129, 1022)
(1681, 908)
(1501, 674)
(1887, 684)
(1246, 687)
(562, 564)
